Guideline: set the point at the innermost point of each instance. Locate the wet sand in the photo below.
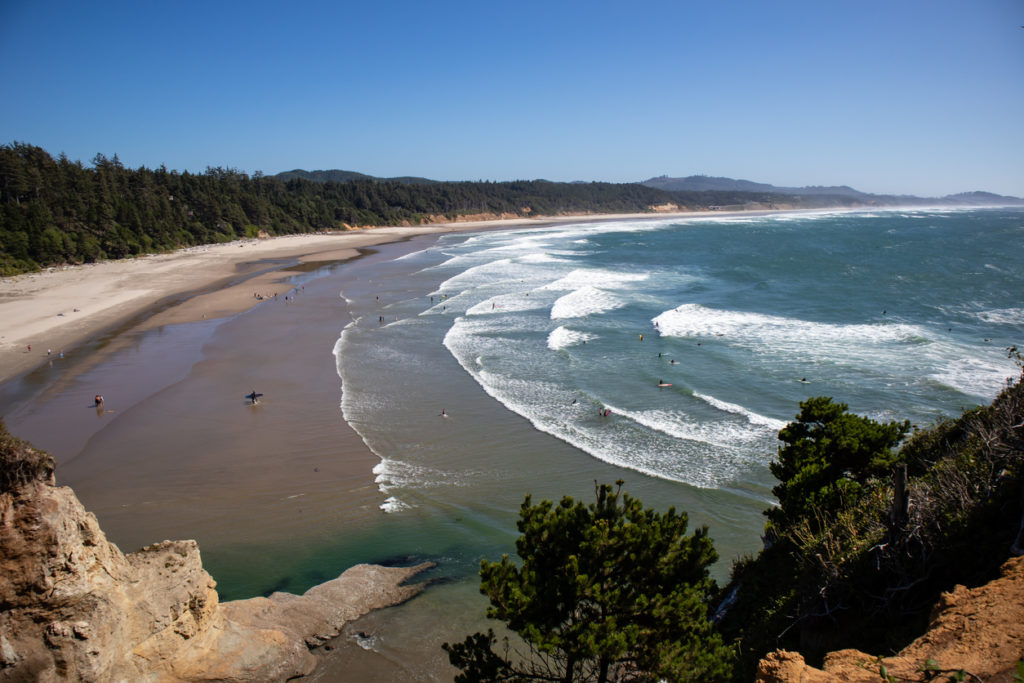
(59, 309)
(177, 450)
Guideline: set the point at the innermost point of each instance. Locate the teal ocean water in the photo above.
(901, 314)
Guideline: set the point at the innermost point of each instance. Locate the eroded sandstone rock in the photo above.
(73, 607)
(977, 630)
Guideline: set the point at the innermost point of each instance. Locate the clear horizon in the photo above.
(905, 98)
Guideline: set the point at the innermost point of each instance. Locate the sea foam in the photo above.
(751, 416)
(562, 337)
(585, 301)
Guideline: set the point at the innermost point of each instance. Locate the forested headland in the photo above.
(56, 211)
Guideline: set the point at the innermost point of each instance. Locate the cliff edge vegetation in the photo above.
(867, 537)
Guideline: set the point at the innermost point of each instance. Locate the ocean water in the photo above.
(900, 314)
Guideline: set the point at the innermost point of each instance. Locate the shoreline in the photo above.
(57, 310)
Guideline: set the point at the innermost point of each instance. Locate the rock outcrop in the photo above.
(977, 630)
(73, 607)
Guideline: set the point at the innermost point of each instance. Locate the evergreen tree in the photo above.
(828, 456)
(610, 591)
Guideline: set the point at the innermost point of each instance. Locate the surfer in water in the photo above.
(444, 413)
(254, 397)
(98, 401)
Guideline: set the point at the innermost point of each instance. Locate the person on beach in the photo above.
(98, 401)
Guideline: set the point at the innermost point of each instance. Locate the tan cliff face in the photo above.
(979, 630)
(73, 607)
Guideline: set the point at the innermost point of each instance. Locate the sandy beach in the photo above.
(52, 311)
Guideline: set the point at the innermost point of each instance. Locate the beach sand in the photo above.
(54, 310)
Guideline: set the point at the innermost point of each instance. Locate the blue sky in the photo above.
(897, 96)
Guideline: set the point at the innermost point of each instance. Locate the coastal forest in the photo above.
(56, 211)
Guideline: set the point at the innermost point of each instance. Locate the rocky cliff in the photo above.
(979, 631)
(73, 607)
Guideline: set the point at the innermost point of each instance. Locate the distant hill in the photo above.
(978, 198)
(726, 189)
(701, 183)
(337, 176)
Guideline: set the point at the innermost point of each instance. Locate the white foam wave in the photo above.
(695, 320)
(585, 301)
(664, 445)
(532, 243)
(595, 277)
(492, 271)
(507, 303)
(725, 434)
(752, 417)
(980, 377)
(1002, 316)
(562, 337)
(543, 257)
(392, 504)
